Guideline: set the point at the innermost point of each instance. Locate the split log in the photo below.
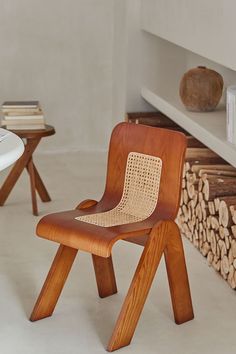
(193, 201)
(217, 187)
(205, 248)
(223, 232)
(213, 242)
(230, 257)
(191, 189)
(225, 217)
(194, 143)
(186, 168)
(232, 209)
(233, 247)
(203, 156)
(216, 264)
(211, 207)
(224, 269)
(226, 167)
(233, 229)
(210, 257)
(215, 223)
(217, 173)
(234, 263)
(185, 196)
(155, 119)
(231, 277)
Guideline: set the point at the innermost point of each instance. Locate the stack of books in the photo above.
(22, 115)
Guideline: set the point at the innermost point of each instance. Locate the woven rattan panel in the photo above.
(140, 194)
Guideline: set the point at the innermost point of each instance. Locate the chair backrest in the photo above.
(165, 144)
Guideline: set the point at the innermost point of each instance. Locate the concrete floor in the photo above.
(82, 322)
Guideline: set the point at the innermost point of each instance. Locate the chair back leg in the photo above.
(178, 277)
(105, 276)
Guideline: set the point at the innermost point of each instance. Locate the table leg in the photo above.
(30, 168)
(40, 187)
(17, 169)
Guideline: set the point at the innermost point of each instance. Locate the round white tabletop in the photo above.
(11, 148)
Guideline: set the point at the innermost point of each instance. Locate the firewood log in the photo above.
(213, 242)
(231, 278)
(203, 156)
(197, 168)
(233, 247)
(210, 257)
(205, 248)
(217, 187)
(233, 229)
(215, 223)
(234, 263)
(225, 217)
(232, 209)
(230, 256)
(223, 232)
(217, 173)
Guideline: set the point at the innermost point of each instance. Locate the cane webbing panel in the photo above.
(140, 193)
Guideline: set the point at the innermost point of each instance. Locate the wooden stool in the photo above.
(33, 138)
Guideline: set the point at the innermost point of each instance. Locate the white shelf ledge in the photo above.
(209, 128)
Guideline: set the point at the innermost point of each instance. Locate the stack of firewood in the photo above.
(207, 214)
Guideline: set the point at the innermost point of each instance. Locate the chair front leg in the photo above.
(139, 288)
(105, 276)
(54, 283)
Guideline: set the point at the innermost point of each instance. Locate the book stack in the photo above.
(22, 115)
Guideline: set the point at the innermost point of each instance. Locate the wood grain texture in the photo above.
(54, 283)
(30, 168)
(163, 237)
(85, 204)
(177, 276)
(35, 134)
(39, 185)
(105, 276)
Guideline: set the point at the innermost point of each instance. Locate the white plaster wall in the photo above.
(132, 52)
(60, 52)
(119, 60)
(205, 27)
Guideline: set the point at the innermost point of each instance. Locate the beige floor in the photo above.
(82, 322)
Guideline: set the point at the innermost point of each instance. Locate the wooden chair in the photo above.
(139, 205)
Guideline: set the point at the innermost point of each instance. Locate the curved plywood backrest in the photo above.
(165, 144)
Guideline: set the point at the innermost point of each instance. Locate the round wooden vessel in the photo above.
(201, 89)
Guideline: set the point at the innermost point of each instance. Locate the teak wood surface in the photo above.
(158, 234)
(33, 138)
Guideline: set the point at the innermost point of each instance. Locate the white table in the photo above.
(11, 148)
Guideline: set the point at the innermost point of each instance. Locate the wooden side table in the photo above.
(32, 138)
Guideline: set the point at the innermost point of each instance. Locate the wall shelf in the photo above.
(186, 23)
(209, 128)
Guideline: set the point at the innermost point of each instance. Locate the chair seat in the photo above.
(63, 228)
